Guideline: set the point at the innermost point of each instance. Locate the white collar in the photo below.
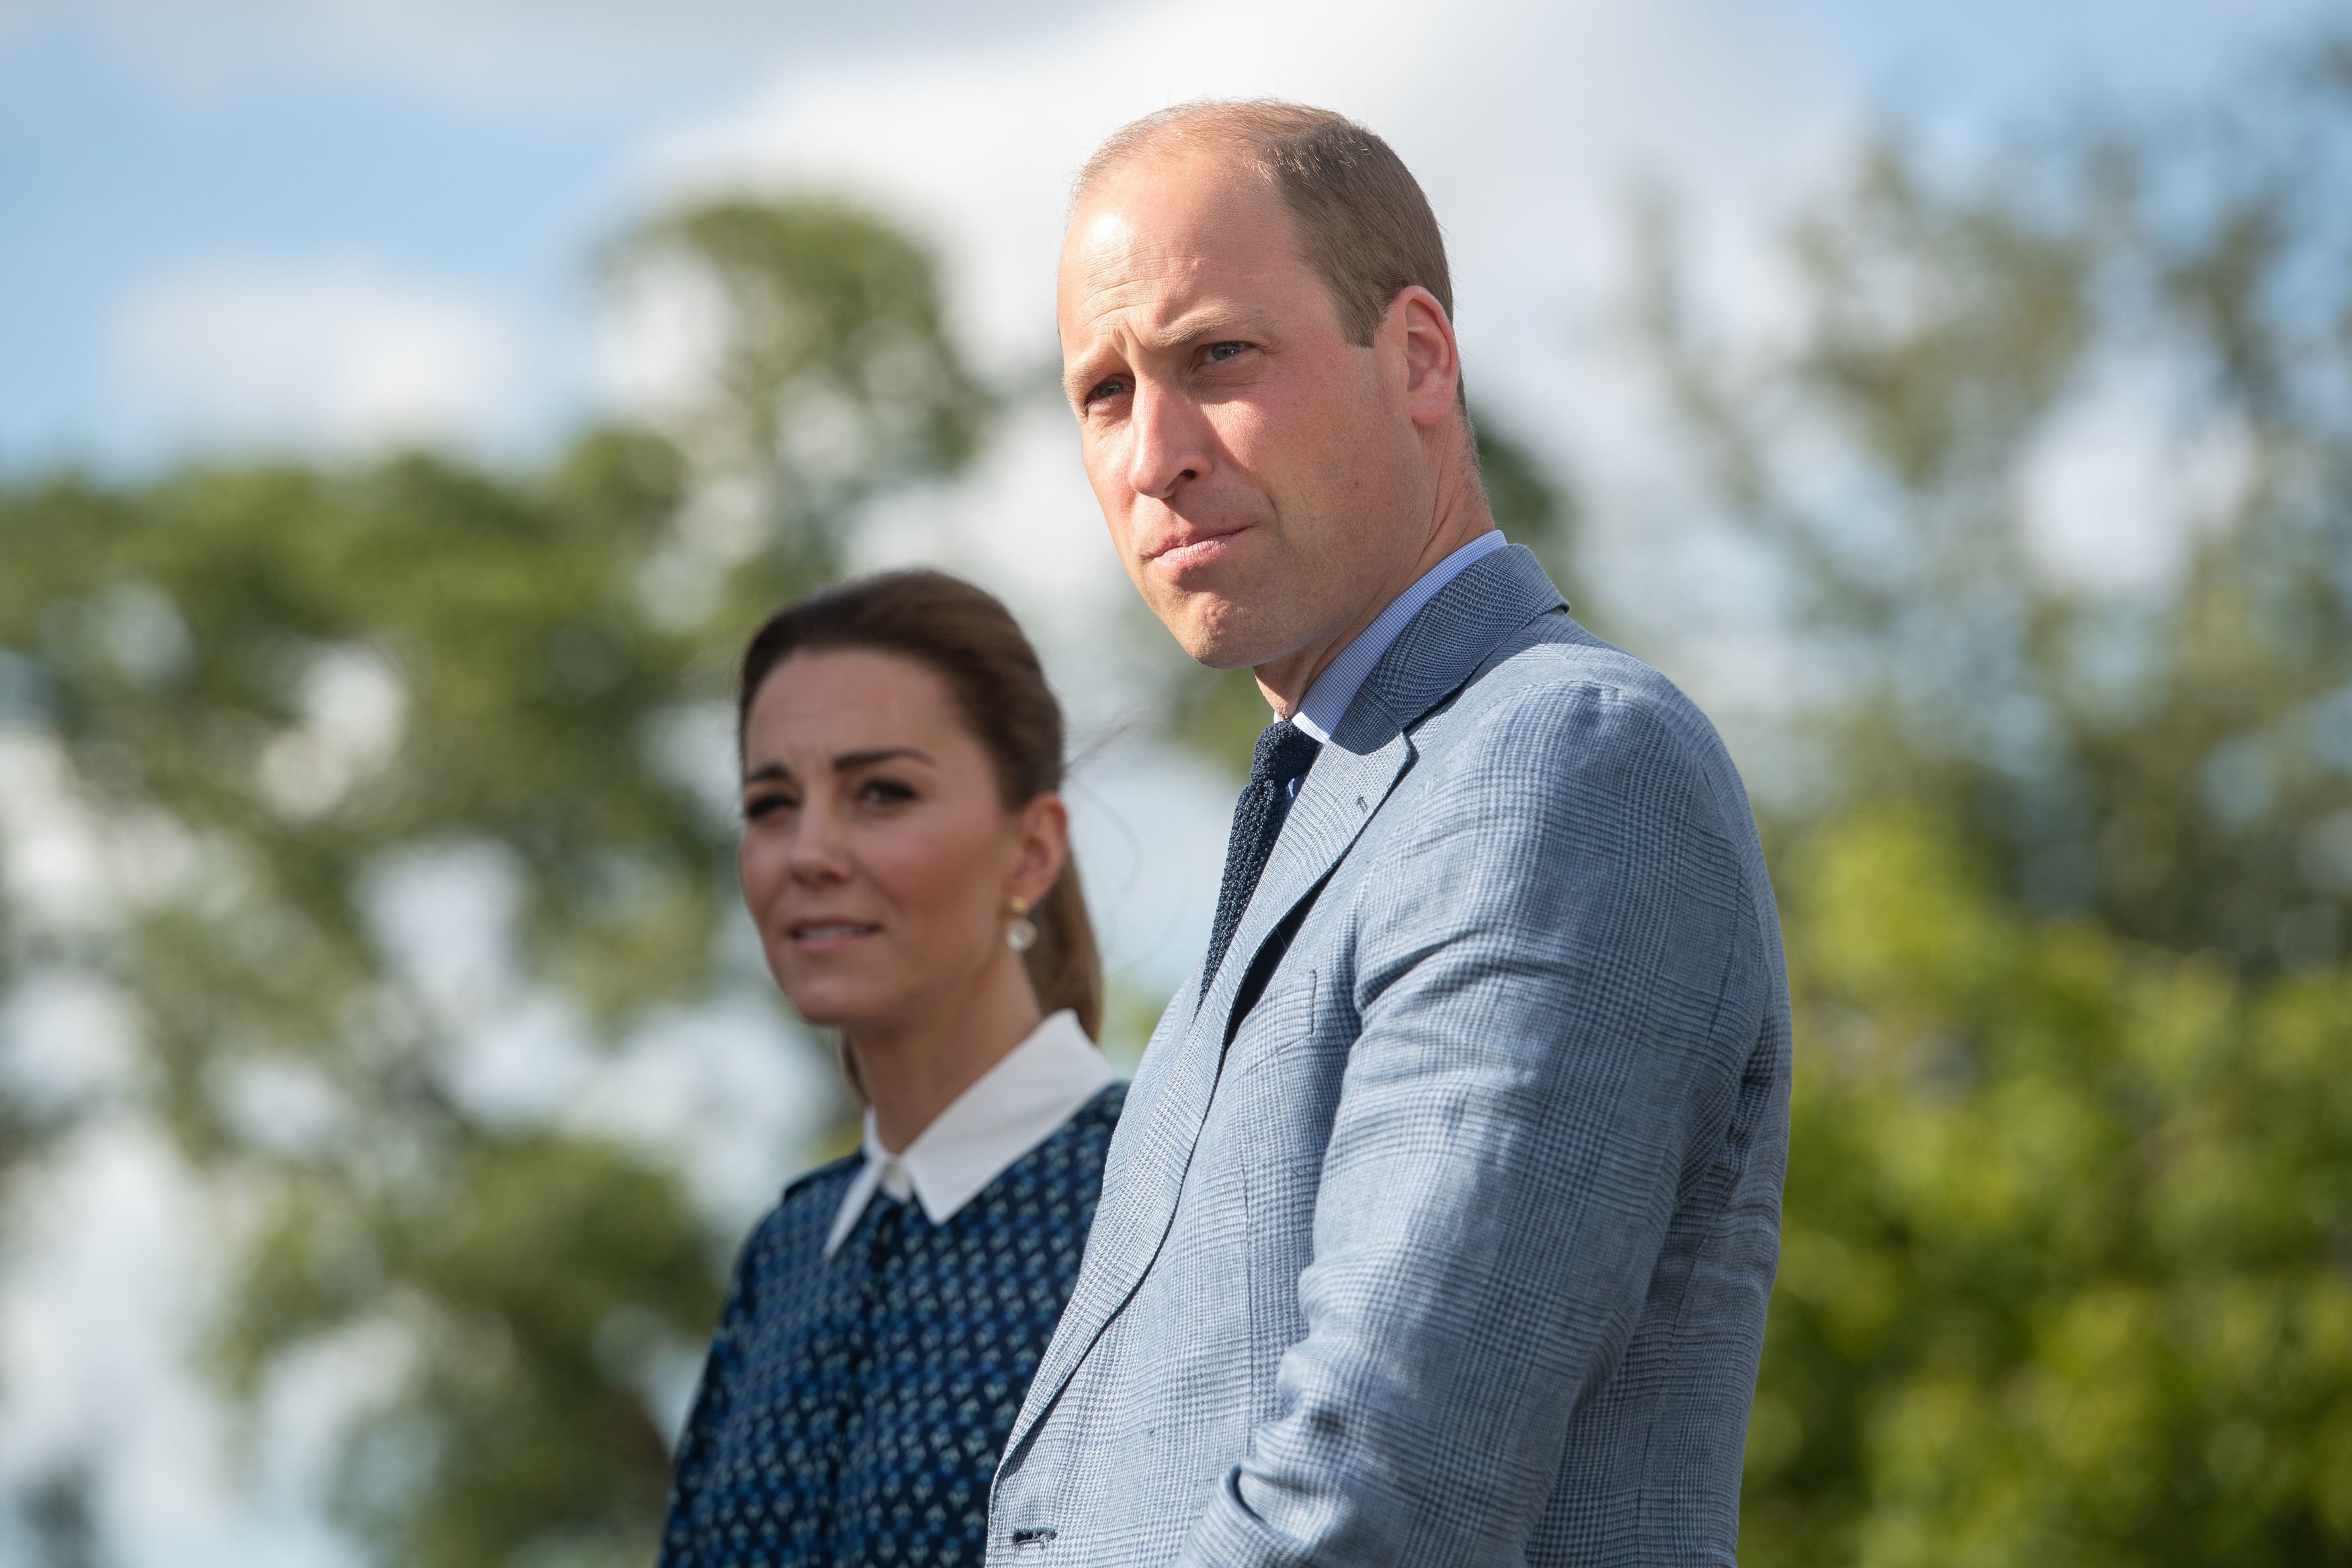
(1013, 1107)
(1326, 701)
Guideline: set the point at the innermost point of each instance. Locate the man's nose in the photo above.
(1171, 443)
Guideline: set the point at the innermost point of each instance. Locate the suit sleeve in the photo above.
(1558, 976)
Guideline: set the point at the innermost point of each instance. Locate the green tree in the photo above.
(2174, 757)
(273, 687)
(2064, 1274)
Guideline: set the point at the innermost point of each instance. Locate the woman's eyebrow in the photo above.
(845, 761)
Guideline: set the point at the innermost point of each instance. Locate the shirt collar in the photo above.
(1326, 703)
(1014, 1106)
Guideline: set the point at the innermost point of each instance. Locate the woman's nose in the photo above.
(819, 850)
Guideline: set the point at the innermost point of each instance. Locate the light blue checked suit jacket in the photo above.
(1453, 1249)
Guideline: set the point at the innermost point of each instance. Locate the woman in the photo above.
(905, 859)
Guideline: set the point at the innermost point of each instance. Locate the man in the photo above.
(1441, 1221)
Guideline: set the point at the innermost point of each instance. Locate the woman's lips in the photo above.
(828, 936)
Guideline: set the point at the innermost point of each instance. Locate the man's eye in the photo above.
(1108, 387)
(1224, 350)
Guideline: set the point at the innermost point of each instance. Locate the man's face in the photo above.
(1256, 470)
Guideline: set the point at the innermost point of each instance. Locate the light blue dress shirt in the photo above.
(1328, 699)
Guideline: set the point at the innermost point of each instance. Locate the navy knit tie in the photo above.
(1285, 752)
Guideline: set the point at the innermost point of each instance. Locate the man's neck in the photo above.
(1284, 682)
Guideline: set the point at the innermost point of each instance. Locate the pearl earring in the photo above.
(1021, 935)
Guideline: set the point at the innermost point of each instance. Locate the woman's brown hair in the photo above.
(971, 642)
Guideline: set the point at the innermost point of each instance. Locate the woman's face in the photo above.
(877, 858)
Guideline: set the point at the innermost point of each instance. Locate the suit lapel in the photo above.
(1371, 751)
(1145, 1175)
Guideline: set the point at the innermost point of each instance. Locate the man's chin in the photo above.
(1219, 634)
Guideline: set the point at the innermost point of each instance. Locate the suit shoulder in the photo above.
(1559, 677)
(1558, 709)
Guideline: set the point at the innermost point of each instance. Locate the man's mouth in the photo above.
(1191, 551)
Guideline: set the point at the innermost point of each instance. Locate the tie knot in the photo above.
(1285, 752)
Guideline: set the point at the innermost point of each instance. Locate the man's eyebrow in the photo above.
(1208, 324)
(1209, 321)
(1097, 360)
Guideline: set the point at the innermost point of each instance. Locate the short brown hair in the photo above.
(1363, 220)
(964, 636)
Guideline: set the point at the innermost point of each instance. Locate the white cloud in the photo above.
(522, 57)
(659, 338)
(509, 56)
(2120, 481)
(354, 707)
(53, 868)
(114, 1274)
(339, 357)
(1523, 120)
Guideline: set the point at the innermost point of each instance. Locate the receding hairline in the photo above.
(1233, 126)
(1356, 212)
(1167, 137)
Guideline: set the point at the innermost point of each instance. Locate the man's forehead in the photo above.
(1141, 240)
(1121, 279)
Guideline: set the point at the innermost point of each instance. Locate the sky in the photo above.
(326, 228)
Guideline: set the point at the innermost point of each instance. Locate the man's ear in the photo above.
(1430, 360)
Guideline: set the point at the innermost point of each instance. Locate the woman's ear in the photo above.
(1041, 845)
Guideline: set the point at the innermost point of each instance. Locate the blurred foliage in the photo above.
(2054, 485)
(834, 377)
(2064, 1273)
(275, 691)
(2140, 338)
(1219, 713)
(2069, 1216)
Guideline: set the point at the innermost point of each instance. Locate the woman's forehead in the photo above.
(841, 700)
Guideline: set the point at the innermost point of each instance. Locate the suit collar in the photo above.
(1435, 655)
(1328, 700)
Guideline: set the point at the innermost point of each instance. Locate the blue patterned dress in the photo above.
(852, 1407)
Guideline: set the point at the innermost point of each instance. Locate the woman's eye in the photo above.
(886, 791)
(759, 805)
